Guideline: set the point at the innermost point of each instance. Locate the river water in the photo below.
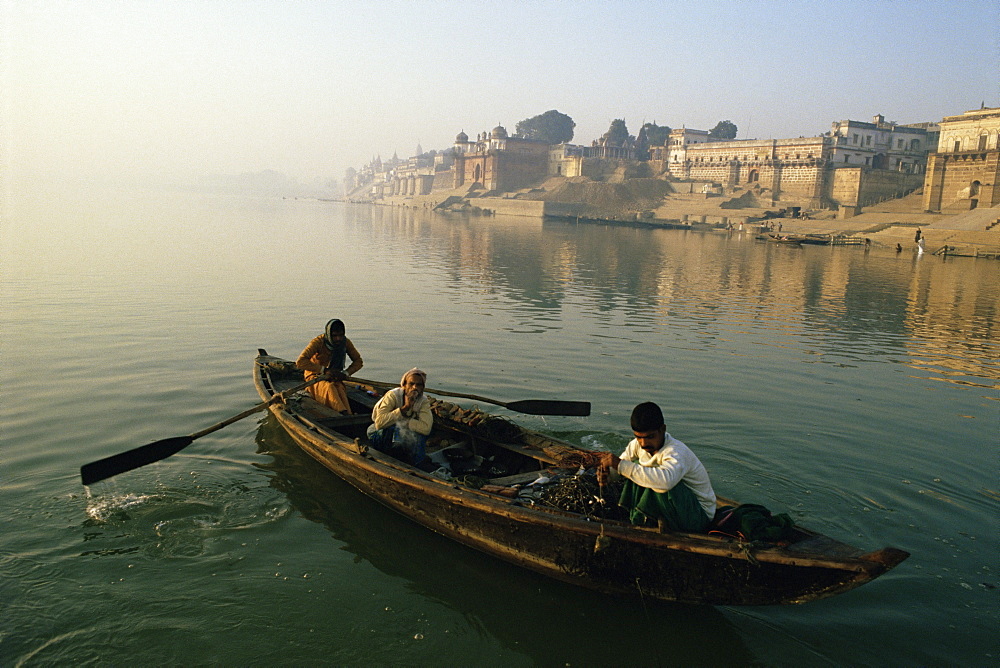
(857, 391)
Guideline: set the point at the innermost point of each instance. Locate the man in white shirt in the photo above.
(402, 419)
(665, 480)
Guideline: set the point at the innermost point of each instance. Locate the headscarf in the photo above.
(414, 372)
(338, 350)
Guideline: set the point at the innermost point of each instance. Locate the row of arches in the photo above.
(973, 142)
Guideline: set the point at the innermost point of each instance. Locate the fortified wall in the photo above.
(788, 168)
(803, 169)
(963, 173)
(879, 185)
(963, 182)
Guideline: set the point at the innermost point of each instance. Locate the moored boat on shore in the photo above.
(796, 239)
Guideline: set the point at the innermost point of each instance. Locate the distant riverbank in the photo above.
(657, 203)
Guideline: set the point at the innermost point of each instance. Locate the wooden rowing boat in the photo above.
(796, 239)
(783, 239)
(814, 239)
(490, 512)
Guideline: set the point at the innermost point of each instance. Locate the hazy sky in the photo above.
(170, 90)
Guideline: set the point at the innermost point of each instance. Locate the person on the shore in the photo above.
(916, 237)
(326, 355)
(665, 480)
(402, 419)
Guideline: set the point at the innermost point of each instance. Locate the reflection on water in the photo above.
(954, 319)
(943, 313)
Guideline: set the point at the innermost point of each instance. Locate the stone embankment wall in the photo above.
(879, 185)
(862, 186)
(963, 181)
(611, 170)
(509, 207)
(844, 186)
(606, 198)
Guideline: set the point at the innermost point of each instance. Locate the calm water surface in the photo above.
(857, 391)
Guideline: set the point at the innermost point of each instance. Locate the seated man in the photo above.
(665, 481)
(403, 419)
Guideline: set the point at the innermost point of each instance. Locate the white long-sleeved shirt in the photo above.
(388, 411)
(672, 464)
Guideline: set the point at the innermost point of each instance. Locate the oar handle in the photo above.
(531, 406)
(279, 397)
(429, 390)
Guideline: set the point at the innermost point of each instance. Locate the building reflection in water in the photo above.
(940, 312)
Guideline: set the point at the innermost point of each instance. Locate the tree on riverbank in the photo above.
(656, 135)
(723, 130)
(617, 134)
(552, 127)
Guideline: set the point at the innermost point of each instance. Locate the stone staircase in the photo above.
(977, 219)
(912, 203)
(938, 241)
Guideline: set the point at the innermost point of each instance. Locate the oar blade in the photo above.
(132, 459)
(545, 407)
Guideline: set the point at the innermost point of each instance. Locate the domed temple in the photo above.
(498, 162)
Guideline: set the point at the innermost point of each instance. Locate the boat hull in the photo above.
(607, 556)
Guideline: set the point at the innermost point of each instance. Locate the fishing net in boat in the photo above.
(581, 493)
(580, 459)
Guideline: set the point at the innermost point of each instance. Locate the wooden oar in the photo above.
(529, 406)
(154, 452)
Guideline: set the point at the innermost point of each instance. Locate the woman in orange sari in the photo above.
(326, 355)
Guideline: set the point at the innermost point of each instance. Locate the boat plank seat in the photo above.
(358, 396)
(345, 420)
(523, 450)
(316, 409)
(328, 417)
(518, 478)
(527, 452)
